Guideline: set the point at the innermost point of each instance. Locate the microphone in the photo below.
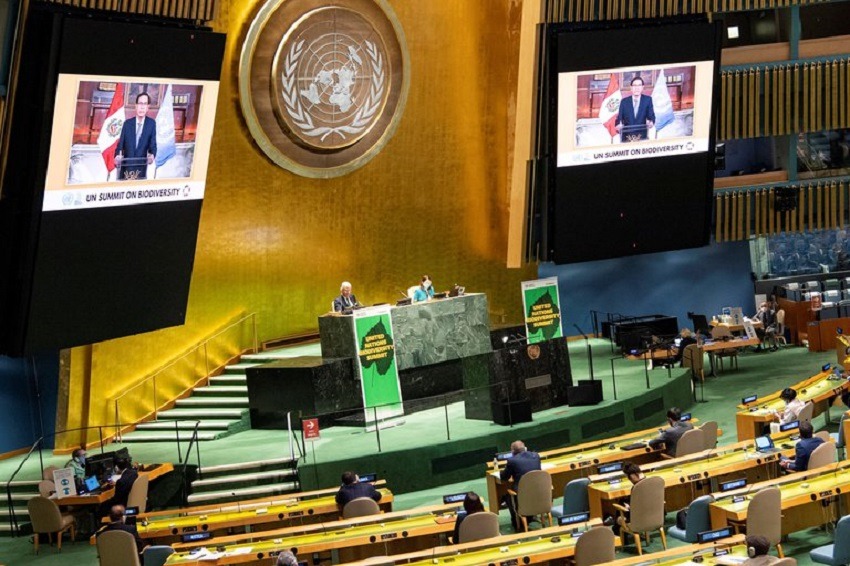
(580, 331)
(402, 293)
(238, 504)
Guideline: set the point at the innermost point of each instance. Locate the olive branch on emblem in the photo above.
(304, 121)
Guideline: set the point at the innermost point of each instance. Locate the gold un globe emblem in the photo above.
(325, 97)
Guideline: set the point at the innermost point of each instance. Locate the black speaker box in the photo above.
(512, 413)
(585, 393)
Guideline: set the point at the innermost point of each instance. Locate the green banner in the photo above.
(541, 306)
(373, 333)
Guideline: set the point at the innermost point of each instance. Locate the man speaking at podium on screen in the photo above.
(136, 148)
(636, 114)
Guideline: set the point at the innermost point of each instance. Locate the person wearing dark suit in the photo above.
(352, 489)
(471, 504)
(635, 475)
(636, 114)
(686, 338)
(670, 436)
(117, 523)
(803, 451)
(346, 299)
(517, 466)
(125, 482)
(136, 147)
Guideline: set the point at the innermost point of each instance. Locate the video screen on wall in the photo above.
(120, 141)
(631, 141)
(106, 179)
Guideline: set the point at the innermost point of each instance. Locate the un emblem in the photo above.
(325, 95)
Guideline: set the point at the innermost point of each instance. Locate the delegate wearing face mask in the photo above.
(425, 290)
(78, 463)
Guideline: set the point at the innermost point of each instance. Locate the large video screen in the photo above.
(109, 146)
(631, 138)
(634, 113)
(120, 141)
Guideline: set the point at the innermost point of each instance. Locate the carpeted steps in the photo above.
(245, 480)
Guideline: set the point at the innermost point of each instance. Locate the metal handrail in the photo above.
(13, 520)
(192, 441)
(203, 344)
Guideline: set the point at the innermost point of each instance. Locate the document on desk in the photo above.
(731, 560)
(240, 551)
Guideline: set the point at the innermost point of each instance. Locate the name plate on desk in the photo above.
(539, 381)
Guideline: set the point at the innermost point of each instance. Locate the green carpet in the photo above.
(759, 373)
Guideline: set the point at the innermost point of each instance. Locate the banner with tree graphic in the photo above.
(542, 309)
(373, 334)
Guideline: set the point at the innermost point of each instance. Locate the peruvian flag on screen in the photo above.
(611, 105)
(111, 129)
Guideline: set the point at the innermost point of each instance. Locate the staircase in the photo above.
(245, 480)
(221, 407)
(22, 491)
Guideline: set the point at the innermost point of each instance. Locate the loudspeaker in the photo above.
(512, 413)
(585, 393)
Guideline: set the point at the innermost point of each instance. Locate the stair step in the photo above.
(19, 512)
(210, 424)
(245, 466)
(21, 497)
(242, 493)
(184, 435)
(221, 390)
(239, 368)
(24, 484)
(200, 414)
(256, 477)
(212, 402)
(229, 379)
(266, 357)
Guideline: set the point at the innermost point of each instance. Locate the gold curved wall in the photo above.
(434, 201)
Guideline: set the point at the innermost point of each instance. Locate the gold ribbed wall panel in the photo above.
(779, 100)
(197, 10)
(434, 201)
(602, 10)
(742, 214)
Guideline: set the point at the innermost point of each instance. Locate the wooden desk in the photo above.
(821, 333)
(685, 554)
(107, 494)
(582, 460)
(689, 477)
(734, 328)
(818, 389)
(715, 347)
(809, 499)
(536, 547)
(247, 504)
(353, 539)
(165, 530)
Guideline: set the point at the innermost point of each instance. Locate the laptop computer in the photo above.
(91, 485)
(764, 444)
(457, 291)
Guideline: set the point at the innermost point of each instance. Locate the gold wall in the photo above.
(433, 201)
